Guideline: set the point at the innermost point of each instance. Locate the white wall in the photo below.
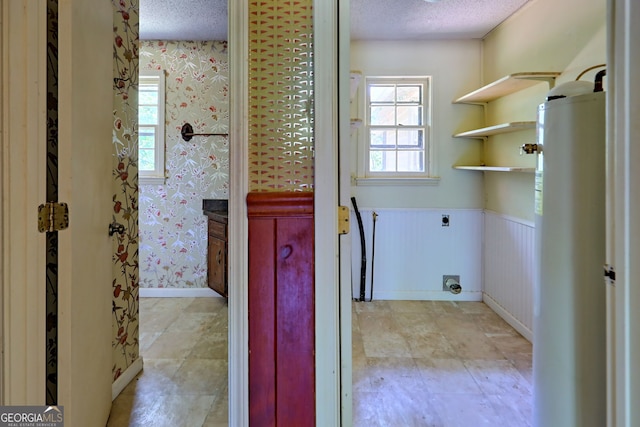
(545, 35)
(413, 251)
(455, 69)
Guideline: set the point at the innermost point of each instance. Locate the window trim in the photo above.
(156, 176)
(367, 177)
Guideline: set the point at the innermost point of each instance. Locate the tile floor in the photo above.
(415, 363)
(440, 364)
(183, 343)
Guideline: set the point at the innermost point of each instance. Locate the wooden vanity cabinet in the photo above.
(217, 256)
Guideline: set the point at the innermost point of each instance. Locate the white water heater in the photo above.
(569, 346)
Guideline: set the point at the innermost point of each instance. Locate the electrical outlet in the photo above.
(445, 220)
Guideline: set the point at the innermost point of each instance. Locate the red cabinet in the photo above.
(281, 309)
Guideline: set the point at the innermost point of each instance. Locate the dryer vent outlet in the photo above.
(451, 283)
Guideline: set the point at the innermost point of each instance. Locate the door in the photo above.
(22, 262)
(85, 91)
(84, 83)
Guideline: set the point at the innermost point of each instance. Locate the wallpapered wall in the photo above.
(281, 142)
(173, 229)
(281, 95)
(125, 180)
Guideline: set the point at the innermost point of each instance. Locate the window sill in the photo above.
(151, 180)
(385, 182)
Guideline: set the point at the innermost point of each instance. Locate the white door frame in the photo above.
(624, 147)
(23, 157)
(344, 173)
(325, 206)
(327, 289)
(238, 13)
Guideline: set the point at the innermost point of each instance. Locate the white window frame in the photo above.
(367, 177)
(157, 175)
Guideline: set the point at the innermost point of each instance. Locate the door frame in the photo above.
(23, 188)
(326, 169)
(327, 295)
(238, 13)
(624, 229)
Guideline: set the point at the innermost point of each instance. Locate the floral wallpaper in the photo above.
(51, 397)
(173, 229)
(281, 95)
(125, 309)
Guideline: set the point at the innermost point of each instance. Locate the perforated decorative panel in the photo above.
(281, 95)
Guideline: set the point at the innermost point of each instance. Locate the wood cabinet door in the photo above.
(217, 258)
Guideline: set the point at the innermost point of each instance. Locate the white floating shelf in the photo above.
(495, 130)
(496, 168)
(506, 85)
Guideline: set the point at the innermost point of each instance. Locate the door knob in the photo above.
(115, 227)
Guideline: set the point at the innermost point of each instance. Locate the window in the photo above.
(397, 128)
(151, 127)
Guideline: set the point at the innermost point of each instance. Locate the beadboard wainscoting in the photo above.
(413, 251)
(509, 268)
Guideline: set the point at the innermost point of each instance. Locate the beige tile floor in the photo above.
(440, 364)
(183, 343)
(415, 363)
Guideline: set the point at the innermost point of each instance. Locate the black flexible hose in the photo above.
(363, 251)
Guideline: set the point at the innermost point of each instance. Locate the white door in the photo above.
(84, 322)
(85, 93)
(22, 251)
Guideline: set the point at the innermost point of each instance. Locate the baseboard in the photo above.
(508, 317)
(177, 293)
(425, 296)
(125, 378)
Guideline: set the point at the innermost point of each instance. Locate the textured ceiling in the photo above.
(422, 20)
(183, 19)
(370, 19)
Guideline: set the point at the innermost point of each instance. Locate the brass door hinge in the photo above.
(53, 216)
(343, 220)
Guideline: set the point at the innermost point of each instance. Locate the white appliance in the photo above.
(569, 346)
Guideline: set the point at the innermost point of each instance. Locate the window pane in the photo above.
(409, 94)
(146, 137)
(148, 114)
(410, 161)
(410, 116)
(383, 116)
(396, 123)
(148, 95)
(410, 138)
(146, 159)
(379, 93)
(383, 138)
(382, 161)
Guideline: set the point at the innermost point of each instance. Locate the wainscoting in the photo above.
(413, 251)
(492, 253)
(509, 267)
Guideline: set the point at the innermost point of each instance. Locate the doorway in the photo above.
(173, 227)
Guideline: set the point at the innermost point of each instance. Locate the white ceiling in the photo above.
(370, 19)
(183, 19)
